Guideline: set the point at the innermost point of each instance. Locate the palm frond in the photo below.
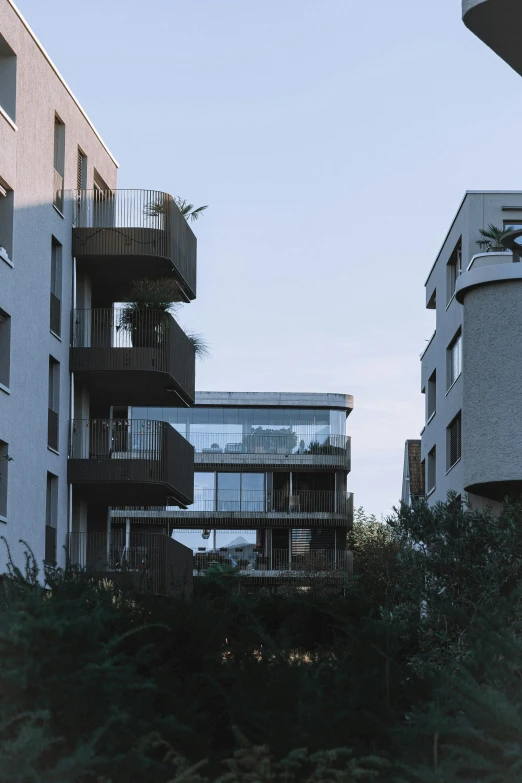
(201, 347)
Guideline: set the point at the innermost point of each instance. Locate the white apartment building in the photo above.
(70, 245)
(471, 368)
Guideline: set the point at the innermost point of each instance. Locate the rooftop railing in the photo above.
(287, 447)
(133, 223)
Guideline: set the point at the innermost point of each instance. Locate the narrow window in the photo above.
(81, 171)
(5, 459)
(431, 397)
(6, 222)
(54, 396)
(454, 269)
(59, 162)
(5, 348)
(51, 519)
(7, 79)
(454, 359)
(423, 476)
(432, 469)
(56, 288)
(453, 441)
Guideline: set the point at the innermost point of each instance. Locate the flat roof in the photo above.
(466, 194)
(276, 400)
(58, 74)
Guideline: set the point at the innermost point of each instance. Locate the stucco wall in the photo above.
(492, 374)
(26, 165)
(476, 211)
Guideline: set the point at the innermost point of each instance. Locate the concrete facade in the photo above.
(26, 173)
(481, 397)
(497, 24)
(71, 245)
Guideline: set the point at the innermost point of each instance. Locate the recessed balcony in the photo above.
(120, 235)
(138, 461)
(132, 358)
(234, 509)
(497, 23)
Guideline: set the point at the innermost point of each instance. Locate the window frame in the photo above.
(455, 424)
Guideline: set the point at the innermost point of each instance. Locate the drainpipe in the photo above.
(127, 536)
(214, 540)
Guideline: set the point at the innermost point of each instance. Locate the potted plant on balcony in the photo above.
(144, 315)
(145, 304)
(492, 238)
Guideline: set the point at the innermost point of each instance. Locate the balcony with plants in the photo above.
(120, 235)
(138, 351)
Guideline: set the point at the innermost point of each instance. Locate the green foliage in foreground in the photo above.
(411, 672)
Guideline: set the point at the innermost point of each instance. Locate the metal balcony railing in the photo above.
(270, 502)
(131, 452)
(153, 562)
(275, 563)
(134, 223)
(113, 339)
(304, 447)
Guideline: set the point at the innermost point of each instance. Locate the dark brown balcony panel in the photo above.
(138, 461)
(133, 358)
(497, 23)
(150, 562)
(121, 235)
(250, 510)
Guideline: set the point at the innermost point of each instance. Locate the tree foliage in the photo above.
(410, 672)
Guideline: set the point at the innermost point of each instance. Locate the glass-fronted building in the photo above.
(270, 487)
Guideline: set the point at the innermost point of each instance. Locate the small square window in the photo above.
(7, 79)
(6, 222)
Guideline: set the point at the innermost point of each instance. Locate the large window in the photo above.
(4, 470)
(431, 396)
(7, 79)
(5, 348)
(56, 288)
(229, 492)
(6, 222)
(432, 469)
(54, 403)
(59, 162)
(454, 441)
(230, 430)
(454, 359)
(454, 269)
(51, 519)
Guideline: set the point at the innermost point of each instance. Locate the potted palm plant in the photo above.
(146, 303)
(492, 238)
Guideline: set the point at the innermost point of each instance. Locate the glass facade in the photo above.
(253, 430)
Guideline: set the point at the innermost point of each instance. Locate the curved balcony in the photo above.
(257, 449)
(120, 235)
(497, 23)
(239, 510)
(118, 461)
(132, 358)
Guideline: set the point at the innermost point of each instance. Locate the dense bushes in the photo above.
(410, 673)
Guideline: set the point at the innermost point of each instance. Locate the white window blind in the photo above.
(455, 359)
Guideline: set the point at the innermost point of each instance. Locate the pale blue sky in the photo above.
(333, 142)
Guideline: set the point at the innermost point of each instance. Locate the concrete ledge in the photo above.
(497, 273)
